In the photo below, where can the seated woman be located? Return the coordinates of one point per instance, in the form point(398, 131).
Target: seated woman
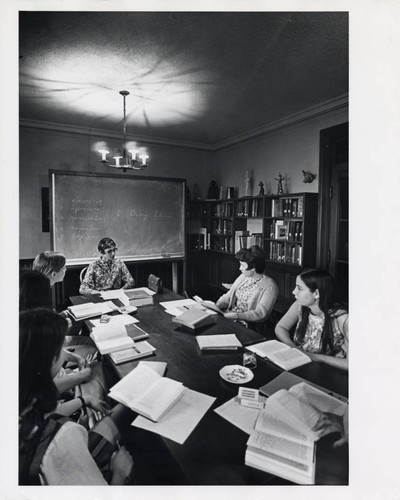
point(52, 265)
point(35, 291)
point(321, 324)
point(106, 273)
point(253, 295)
point(65, 457)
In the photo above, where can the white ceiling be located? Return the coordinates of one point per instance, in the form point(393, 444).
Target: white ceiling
point(199, 77)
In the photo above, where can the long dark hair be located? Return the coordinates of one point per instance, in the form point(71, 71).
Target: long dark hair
point(321, 280)
point(34, 291)
point(41, 337)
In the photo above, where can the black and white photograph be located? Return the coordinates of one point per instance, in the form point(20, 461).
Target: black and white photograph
point(199, 224)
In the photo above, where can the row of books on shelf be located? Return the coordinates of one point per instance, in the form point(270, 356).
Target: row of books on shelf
point(285, 252)
point(249, 208)
point(287, 207)
point(222, 210)
point(285, 230)
point(243, 239)
point(222, 226)
point(222, 243)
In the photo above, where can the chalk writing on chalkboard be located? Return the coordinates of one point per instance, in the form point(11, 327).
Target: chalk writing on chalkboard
point(144, 215)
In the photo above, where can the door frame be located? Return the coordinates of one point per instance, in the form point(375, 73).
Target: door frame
point(324, 186)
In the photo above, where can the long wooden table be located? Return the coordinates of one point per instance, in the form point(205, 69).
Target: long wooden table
point(214, 452)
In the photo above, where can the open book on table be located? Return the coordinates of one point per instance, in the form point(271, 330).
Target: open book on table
point(283, 439)
point(281, 354)
point(111, 337)
point(146, 392)
point(91, 309)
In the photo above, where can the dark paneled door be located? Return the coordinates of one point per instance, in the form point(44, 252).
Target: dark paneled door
point(333, 248)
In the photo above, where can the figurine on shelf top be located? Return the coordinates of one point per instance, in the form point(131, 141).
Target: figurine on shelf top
point(280, 178)
point(213, 191)
point(262, 192)
point(247, 180)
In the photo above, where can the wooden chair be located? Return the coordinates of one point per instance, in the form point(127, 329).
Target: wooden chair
point(82, 274)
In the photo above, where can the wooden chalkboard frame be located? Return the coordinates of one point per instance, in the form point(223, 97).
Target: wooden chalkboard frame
point(86, 260)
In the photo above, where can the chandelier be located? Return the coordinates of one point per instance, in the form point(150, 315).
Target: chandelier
point(128, 158)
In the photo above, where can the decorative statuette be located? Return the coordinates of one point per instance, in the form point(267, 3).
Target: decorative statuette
point(262, 192)
point(308, 176)
point(280, 178)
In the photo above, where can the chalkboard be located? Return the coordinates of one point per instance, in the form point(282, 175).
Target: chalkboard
point(145, 216)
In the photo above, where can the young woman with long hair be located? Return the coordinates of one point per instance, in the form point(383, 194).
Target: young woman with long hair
point(321, 322)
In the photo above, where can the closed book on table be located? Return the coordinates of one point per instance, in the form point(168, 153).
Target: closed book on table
point(227, 341)
point(137, 351)
point(194, 318)
point(139, 298)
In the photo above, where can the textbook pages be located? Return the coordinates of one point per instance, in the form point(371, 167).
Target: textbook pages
point(281, 354)
point(111, 337)
point(146, 392)
point(283, 440)
point(91, 309)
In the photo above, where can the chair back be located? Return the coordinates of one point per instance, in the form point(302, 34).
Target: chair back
point(82, 274)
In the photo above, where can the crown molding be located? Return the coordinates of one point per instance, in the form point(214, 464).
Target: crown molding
point(337, 104)
point(74, 129)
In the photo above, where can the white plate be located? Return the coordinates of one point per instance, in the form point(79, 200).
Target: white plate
point(236, 374)
point(127, 309)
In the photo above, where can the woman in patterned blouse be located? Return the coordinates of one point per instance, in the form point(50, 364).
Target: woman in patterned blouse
point(108, 272)
point(321, 324)
point(253, 295)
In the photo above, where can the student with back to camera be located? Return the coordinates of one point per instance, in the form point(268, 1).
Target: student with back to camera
point(35, 292)
point(321, 323)
point(253, 294)
point(108, 272)
point(64, 457)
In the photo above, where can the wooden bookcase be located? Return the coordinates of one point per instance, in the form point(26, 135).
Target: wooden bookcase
point(284, 226)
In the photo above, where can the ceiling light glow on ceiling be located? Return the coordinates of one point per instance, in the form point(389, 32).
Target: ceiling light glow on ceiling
point(127, 163)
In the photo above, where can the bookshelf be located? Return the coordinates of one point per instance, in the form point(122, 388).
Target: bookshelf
point(284, 226)
point(290, 229)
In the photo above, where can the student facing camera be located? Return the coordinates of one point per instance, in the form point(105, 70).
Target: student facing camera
point(108, 272)
point(321, 324)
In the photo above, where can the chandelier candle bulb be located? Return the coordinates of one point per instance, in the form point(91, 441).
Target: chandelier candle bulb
point(117, 158)
point(133, 152)
point(143, 158)
point(104, 154)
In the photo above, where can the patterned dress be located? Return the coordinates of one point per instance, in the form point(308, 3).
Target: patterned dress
point(312, 337)
point(106, 275)
point(244, 294)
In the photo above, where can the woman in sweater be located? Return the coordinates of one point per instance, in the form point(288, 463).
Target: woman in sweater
point(253, 295)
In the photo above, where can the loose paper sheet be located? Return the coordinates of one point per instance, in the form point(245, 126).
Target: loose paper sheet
point(181, 420)
point(241, 416)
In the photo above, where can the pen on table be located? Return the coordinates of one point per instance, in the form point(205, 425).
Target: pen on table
point(136, 349)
